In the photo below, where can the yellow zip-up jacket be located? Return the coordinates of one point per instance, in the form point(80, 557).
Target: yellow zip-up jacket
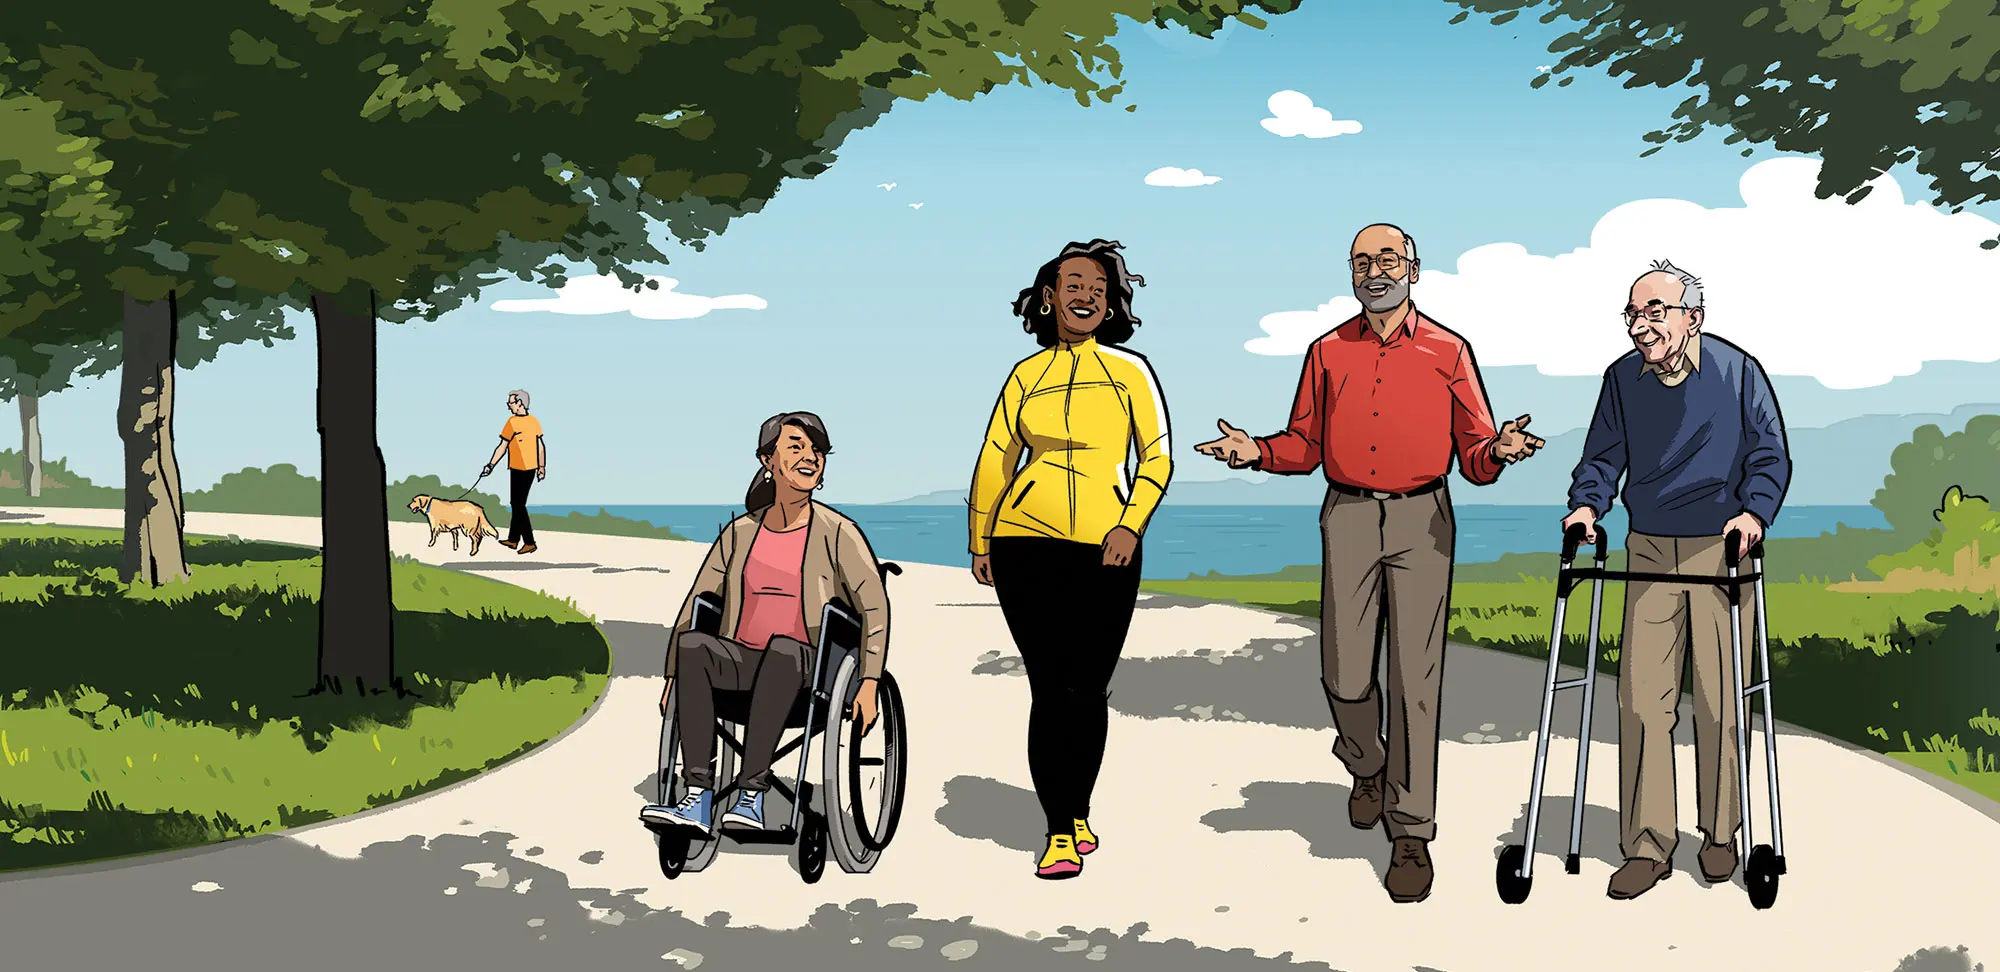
point(1078, 410)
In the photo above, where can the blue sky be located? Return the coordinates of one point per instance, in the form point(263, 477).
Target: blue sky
point(892, 322)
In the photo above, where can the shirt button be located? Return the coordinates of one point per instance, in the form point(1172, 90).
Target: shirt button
point(1378, 381)
point(1378, 414)
point(1371, 448)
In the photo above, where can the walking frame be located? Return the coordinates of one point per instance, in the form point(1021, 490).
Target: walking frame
point(1766, 863)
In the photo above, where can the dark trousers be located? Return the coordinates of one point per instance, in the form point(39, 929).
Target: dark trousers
point(519, 527)
point(1068, 614)
point(774, 677)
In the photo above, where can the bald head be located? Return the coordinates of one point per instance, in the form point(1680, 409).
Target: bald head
point(1384, 262)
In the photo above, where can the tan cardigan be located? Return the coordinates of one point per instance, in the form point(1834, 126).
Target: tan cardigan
point(838, 563)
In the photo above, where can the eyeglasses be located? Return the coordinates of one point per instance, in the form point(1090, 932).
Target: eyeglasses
point(1652, 312)
point(1388, 262)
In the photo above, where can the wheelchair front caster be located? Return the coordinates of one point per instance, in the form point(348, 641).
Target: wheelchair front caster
point(812, 846)
point(1507, 875)
point(673, 851)
point(1760, 873)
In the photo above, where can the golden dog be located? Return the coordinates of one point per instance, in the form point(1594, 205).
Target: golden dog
point(456, 517)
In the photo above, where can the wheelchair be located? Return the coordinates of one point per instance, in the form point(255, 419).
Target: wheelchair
point(861, 779)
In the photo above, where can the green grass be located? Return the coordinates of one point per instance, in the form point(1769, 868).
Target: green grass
point(141, 719)
point(1877, 670)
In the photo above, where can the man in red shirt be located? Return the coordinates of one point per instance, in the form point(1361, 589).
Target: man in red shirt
point(1385, 402)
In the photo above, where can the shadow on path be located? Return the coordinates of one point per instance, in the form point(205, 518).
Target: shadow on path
point(977, 808)
point(1314, 811)
point(471, 902)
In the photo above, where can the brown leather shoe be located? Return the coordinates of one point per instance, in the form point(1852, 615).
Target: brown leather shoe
point(1637, 877)
point(510, 544)
point(1364, 802)
point(1718, 861)
point(528, 548)
point(1409, 877)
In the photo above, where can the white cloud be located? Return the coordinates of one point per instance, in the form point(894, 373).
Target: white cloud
point(1852, 295)
point(1167, 175)
point(1292, 113)
point(602, 294)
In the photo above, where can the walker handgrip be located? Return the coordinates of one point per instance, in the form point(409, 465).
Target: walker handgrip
point(1573, 538)
point(1729, 554)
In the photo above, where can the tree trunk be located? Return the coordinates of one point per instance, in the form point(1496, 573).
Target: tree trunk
point(154, 518)
point(356, 611)
point(31, 442)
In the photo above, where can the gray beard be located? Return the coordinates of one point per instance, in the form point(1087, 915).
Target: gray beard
point(1399, 291)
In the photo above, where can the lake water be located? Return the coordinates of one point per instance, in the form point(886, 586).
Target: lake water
point(1185, 540)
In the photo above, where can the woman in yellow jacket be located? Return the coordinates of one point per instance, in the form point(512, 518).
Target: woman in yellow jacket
point(1058, 537)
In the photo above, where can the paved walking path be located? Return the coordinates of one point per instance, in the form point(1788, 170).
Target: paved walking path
point(1221, 808)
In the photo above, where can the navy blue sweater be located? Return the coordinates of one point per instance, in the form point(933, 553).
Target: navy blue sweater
point(1693, 455)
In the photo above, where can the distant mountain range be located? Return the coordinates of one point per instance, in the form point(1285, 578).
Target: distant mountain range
point(1839, 465)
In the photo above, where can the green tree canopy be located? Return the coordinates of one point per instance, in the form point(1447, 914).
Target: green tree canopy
point(1932, 463)
point(1863, 84)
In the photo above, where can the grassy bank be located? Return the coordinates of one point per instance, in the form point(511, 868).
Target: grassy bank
point(1905, 670)
point(282, 490)
point(143, 719)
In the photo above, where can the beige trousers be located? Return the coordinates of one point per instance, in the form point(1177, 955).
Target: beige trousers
point(1396, 551)
point(1664, 623)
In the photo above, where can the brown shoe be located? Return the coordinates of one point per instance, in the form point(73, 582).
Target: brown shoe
point(1718, 861)
point(1364, 802)
point(1637, 877)
point(528, 548)
point(510, 544)
point(1409, 877)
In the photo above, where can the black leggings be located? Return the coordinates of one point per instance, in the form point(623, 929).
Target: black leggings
point(1068, 614)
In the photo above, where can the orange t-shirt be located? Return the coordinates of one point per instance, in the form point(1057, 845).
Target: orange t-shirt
point(523, 435)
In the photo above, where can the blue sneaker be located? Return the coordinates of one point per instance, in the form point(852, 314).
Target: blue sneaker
point(696, 810)
point(748, 811)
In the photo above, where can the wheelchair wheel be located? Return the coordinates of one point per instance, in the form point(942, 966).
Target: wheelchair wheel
point(863, 776)
point(689, 852)
point(812, 846)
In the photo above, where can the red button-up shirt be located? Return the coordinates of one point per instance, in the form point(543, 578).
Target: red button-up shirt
point(1387, 414)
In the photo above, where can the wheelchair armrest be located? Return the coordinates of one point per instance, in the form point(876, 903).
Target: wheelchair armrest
point(708, 615)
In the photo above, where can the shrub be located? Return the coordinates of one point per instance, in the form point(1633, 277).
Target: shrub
point(1966, 524)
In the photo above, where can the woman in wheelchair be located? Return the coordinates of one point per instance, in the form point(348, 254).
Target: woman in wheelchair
point(774, 569)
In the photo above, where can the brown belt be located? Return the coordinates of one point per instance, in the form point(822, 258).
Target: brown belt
point(1376, 494)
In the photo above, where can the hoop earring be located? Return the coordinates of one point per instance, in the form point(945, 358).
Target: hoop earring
point(1046, 308)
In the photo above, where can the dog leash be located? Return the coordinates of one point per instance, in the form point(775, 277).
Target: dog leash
point(485, 471)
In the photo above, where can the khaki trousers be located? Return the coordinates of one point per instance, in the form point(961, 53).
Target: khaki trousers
point(1395, 552)
point(1664, 623)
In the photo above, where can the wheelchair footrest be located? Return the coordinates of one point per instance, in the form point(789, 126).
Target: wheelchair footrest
point(776, 835)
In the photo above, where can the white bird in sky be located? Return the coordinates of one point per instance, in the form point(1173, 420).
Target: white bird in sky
point(1544, 68)
point(916, 205)
point(885, 186)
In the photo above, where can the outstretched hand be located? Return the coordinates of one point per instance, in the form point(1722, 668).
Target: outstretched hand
point(1514, 443)
point(1235, 447)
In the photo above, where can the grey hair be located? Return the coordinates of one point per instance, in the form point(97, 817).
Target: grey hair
point(520, 394)
point(1690, 284)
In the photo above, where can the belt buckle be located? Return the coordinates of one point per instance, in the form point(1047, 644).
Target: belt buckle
point(1376, 494)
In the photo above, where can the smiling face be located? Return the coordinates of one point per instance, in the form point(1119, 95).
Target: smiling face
point(796, 463)
point(514, 405)
point(1661, 341)
point(1078, 297)
point(1383, 273)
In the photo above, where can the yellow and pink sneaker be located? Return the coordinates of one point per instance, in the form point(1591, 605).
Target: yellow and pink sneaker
point(1085, 840)
point(1061, 859)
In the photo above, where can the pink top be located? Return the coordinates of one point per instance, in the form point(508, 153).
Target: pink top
point(773, 588)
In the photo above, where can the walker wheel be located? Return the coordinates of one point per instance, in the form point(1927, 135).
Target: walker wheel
point(1507, 875)
point(1760, 873)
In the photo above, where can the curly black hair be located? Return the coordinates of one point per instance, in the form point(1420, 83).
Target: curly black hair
point(1118, 319)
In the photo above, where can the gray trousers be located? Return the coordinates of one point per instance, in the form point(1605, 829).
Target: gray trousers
point(774, 677)
point(1396, 552)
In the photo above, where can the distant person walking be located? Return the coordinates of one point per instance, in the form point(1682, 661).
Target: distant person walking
point(527, 461)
